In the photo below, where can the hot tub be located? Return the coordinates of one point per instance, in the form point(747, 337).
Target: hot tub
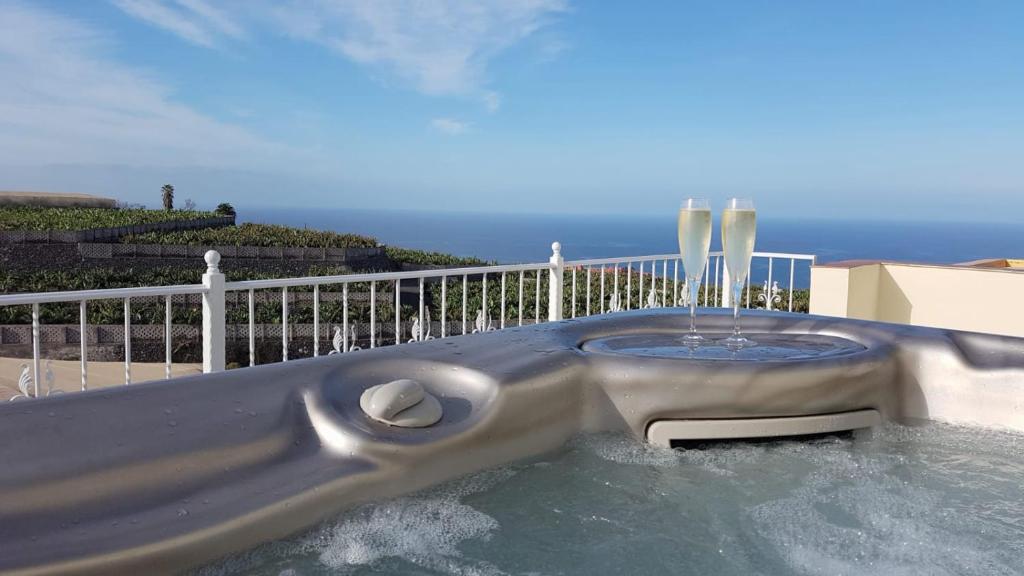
point(162, 477)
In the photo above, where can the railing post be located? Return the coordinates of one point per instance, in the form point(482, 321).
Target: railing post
point(555, 283)
point(213, 315)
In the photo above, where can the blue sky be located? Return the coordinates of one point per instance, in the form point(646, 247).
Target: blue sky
point(848, 109)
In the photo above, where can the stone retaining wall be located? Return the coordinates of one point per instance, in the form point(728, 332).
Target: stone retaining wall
point(292, 261)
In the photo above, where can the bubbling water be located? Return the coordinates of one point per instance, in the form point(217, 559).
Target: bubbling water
point(937, 499)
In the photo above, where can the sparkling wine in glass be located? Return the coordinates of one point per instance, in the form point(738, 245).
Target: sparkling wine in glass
point(739, 227)
point(694, 241)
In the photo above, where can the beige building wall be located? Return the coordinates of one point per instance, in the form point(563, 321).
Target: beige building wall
point(958, 297)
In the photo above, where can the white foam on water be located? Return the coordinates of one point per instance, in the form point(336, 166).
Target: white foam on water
point(623, 449)
point(902, 500)
point(425, 529)
point(722, 460)
point(876, 504)
point(857, 514)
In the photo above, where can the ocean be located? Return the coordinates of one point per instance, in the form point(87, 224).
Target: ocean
point(510, 238)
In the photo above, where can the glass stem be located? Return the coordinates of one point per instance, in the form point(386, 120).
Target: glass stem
point(694, 291)
point(737, 293)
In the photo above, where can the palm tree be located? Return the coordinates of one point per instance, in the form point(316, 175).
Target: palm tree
point(168, 196)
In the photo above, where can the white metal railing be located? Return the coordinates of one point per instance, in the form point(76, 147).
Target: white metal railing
point(83, 298)
point(713, 283)
point(422, 331)
point(617, 283)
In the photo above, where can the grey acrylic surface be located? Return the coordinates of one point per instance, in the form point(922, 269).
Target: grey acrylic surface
point(159, 477)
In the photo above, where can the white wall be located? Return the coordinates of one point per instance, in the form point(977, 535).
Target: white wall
point(962, 298)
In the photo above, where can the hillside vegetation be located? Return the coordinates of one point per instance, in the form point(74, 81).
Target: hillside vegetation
point(49, 218)
point(263, 235)
point(255, 235)
point(426, 258)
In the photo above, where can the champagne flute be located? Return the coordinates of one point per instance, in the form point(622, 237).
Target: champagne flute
point(739, 227)
point(694, 241)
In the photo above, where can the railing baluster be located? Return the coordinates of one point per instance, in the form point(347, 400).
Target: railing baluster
point(768, 293)
point(664, 283)
point(675, 282)
point(167, 337)
point(640, 288)
point(127, 341)
point(792, 264)
point(536, 301)
point(422, 317)
point(398, 312)
point(521, 286)
point(83, 339)
point(344, 318)
point(484, 306)
point(444, 305)
point(602, 288)
point(718, 262)
point(252, 327)
point(284, 324)
point(588, 289)
point(629, 285)
point(707, 280)
point(316, 319)
point(654, 279)
point(615, 288)
point(465, 299)
point(502, 299)
point(35, 347)
point(748, 289)
point(573, 291)
point(373, 314)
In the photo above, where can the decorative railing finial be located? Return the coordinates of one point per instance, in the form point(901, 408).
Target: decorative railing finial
point(482, 324)
point(615, 303)
point(27, 385)
point(338, 342)
point(652, 298)
point(212, 258)
point(24, 383)
point(556, 248)
point(420, 331)
point(684, 296)
point(352, 337)
point(770, 295)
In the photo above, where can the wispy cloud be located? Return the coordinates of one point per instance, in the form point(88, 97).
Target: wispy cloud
point(195, 21)
point(440, 48)
point(66, 101)
point(449, 126)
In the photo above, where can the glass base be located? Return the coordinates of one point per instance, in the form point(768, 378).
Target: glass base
point(693, 338)
point(737, 342)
